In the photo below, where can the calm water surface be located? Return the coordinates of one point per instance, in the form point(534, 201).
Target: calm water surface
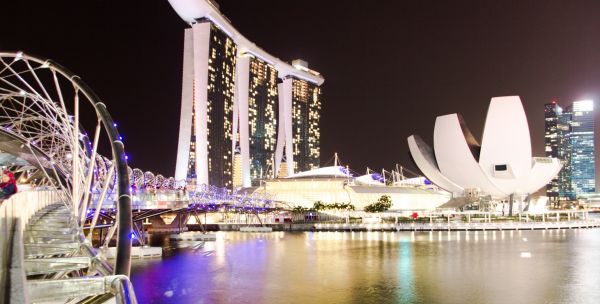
point(376, 267)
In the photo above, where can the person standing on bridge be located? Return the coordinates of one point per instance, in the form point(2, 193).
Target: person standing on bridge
point(8, 186)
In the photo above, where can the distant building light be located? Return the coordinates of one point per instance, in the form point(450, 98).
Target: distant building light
point(583, 105)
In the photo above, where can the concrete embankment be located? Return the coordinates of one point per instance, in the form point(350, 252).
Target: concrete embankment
point(236, 227)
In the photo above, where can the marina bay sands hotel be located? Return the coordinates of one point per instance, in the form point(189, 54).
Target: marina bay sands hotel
point(245, 114)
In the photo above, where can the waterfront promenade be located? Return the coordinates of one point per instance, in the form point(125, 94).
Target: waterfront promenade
point(392, 221)
point(460, 226)
point(414, 226)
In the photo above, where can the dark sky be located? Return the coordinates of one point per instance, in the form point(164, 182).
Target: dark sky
point(390, 67)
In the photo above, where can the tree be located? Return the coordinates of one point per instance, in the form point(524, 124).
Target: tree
point(347, 206)
point(319, 206)
point(384, 203)
point(299, 210)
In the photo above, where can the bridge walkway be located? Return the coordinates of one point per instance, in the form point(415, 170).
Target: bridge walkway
point(49, 260)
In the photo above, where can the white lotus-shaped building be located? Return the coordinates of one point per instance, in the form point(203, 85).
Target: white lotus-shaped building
point(502, 165)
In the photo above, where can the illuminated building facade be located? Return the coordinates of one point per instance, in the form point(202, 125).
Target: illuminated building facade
point(237, 101)
point(583, 173)
point(334, 185)
point(306, 104)
point(557, 145)
point(569, 136)
point(221, 69)
point(207, 105)
point(263, 107)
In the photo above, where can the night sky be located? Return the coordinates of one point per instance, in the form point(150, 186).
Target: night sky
point(389, 68)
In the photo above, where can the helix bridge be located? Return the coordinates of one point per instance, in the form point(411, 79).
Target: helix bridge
point(72, 182)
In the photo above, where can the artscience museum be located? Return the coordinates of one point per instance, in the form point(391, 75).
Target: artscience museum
point(500, 165)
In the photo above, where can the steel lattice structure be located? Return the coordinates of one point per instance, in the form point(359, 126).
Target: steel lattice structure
point(43, 109)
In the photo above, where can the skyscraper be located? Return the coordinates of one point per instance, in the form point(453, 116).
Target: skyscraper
point(306, 105)
point(569, 136)
point(237, 101)
point(263, 107)
point(552, 112)
point(557, 145)
point(207, 108)
point(583, 173)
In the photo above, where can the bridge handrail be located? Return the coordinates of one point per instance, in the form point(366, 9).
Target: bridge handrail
point(118, 285)
point(15, 213)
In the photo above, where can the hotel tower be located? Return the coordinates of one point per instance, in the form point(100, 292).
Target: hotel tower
point(245, 114)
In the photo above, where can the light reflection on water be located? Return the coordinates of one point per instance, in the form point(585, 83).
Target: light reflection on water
point(377, 267)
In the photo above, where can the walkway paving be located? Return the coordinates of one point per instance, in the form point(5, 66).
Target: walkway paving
point(60, 266)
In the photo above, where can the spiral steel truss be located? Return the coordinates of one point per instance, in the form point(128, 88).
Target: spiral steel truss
point(44, 112)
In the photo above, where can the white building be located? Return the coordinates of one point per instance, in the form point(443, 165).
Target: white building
point(501, 166)
point(335, 185)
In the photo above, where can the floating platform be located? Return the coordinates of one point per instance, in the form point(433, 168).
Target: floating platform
point(137, 252)
point(193, 236)
point(256, 229)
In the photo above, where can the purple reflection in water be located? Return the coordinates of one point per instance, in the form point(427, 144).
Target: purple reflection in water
point(377, 267)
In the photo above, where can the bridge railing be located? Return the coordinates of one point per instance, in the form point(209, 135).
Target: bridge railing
point(15, 213)
point(161, 199)
point(160, 195)
point(23, 205)
point(178, 199)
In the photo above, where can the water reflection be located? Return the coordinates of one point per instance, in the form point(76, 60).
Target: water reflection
point(376, 267)
point(406, 293)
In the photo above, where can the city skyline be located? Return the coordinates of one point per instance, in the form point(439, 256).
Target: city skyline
point(407, 72)
point(184, 151)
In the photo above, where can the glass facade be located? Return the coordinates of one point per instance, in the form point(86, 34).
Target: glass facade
point(583, 173)
point(565, 190)
point(552, 111)
point(306, 116)
point(569, 136)
point(557, 145)
point(263, 102)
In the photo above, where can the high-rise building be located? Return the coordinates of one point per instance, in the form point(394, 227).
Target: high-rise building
point(566, 191)
point(306, 111)
point(583, 172)
point(207, 109)
point(263, 108)
point(569, 136)
point(557, 145)
point(552, 112)
point(241, 107)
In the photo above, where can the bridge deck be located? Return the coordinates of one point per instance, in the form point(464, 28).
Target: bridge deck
point(48, 259)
